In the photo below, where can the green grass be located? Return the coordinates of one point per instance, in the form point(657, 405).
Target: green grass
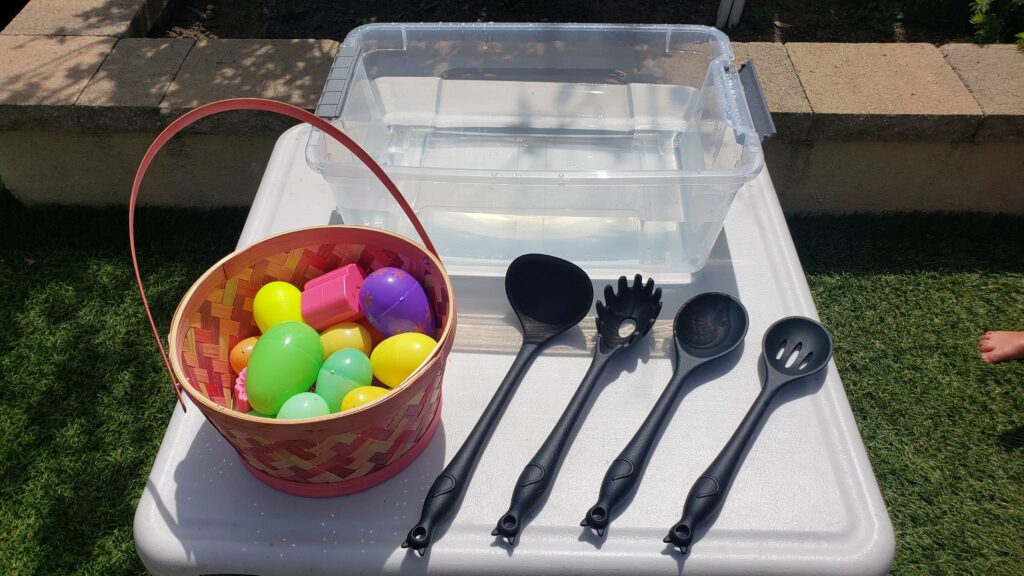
point(85, 397)
point(85, 401)
point(906, 298)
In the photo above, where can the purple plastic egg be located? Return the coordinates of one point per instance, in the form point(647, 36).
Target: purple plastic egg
point(395, 303)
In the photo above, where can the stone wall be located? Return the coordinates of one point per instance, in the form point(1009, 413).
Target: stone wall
point(862, 127)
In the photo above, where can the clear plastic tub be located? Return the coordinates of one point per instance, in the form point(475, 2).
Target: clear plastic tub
point(617, 147)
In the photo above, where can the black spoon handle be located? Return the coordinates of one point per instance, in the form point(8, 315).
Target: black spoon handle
point(447, 490)
point(708, 493)
point(627, 469)
point(537, 477)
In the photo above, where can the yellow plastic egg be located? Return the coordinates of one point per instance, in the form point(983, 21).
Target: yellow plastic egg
point(275, 303)
point(346, 335)
point(397, 357)
point(361, 395)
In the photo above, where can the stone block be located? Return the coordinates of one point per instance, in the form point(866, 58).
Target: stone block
point(994, 74)
point(883, 92)
point(43, 76)
point(292, 71)
point(82, 168)
point(125, 93)
point(77, 18)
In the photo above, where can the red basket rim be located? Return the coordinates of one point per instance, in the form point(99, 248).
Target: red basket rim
point(180, 324)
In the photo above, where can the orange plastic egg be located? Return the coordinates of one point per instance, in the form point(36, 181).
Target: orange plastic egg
point(240, 353)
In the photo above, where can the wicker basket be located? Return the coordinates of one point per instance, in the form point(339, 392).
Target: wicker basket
point(329, 455)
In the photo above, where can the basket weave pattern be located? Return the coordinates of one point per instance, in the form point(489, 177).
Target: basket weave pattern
point(345, 456)
point(344, 446)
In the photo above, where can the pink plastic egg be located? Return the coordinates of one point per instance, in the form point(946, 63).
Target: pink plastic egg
point(395, 303)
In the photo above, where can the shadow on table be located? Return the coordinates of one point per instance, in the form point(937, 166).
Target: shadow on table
point(488, 324)
point(793, 391)
point(706, 373)
point(628, 362)
point(245, 527)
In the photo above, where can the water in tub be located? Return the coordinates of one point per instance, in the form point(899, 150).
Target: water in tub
point(497, 166)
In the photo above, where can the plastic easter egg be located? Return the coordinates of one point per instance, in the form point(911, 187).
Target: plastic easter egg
point(346, 335)
point(303, 405)
point(375, 336)
point(342, 372)
point(241, 399)
point(239, 357)
point(394, 302)
point(362, 395)
point(397, 357)
point(284, 362)
point(259, 414)
point(275, 303)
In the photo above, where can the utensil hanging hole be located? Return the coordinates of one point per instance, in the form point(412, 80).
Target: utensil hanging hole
point(782, 350)
point(627, 327)
point(419, 533)
point(508, 522)
point(806, 360)
point(681, 531)
point(597, 513)
point(794, 354)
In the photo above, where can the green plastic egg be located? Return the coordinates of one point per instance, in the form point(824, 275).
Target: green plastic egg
point(303, 405)
point(341, 373)
point(284, 362)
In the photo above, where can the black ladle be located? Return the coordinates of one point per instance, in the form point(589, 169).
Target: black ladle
point(706, 327)
point(625, 317)
point(549, 296)
point(793, 348)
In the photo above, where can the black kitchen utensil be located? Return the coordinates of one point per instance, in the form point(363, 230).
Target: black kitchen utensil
point(793, 348)
point(549, 296)
point(625, 317)
point(706, 327)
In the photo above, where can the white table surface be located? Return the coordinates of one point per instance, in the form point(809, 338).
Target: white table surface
point(805, 501)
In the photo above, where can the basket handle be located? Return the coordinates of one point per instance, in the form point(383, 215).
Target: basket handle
point(248, 104)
